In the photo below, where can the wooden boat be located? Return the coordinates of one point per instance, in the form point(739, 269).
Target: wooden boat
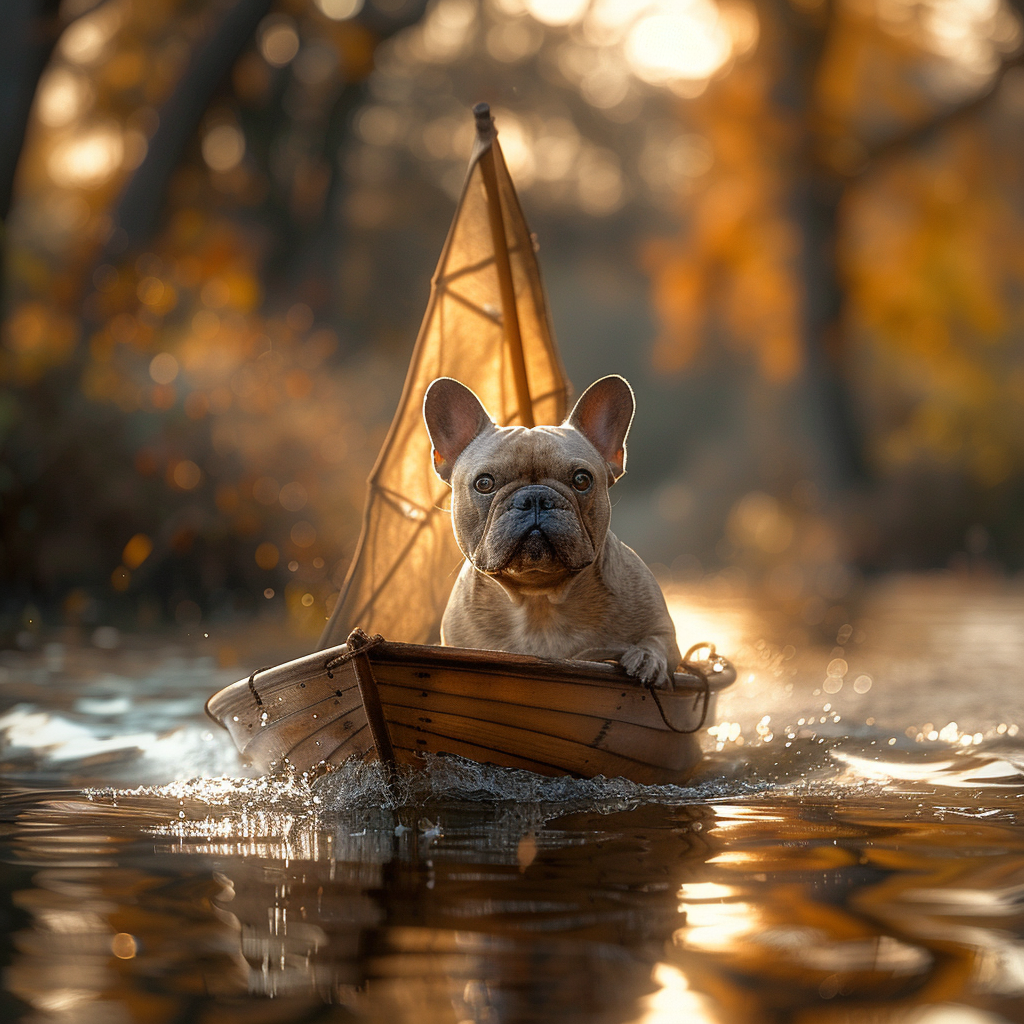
point(487, 324)
point(370, 699)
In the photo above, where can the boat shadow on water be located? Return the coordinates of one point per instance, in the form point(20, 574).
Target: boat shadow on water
point(517, 899)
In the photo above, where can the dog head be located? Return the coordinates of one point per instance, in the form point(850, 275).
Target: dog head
point(530, 506)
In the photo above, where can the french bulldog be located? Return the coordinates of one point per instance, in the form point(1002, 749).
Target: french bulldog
point(543, 574)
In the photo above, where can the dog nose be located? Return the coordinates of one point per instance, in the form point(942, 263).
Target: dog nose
point(535, 498)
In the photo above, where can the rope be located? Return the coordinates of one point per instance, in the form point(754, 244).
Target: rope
point(358, 642)
point(705, 692)
point(252, 685)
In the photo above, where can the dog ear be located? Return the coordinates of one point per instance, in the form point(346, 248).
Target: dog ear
point(454, 417)
point(603, 415)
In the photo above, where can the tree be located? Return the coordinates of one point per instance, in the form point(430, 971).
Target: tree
point(823, 244)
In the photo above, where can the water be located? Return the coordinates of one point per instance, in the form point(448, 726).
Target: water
point(851, 849)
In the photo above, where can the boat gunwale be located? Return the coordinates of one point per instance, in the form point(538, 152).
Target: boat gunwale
point(604, 674)
point(598, 673)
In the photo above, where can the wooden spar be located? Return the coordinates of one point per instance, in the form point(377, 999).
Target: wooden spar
point(509, 312)
point(358, 642)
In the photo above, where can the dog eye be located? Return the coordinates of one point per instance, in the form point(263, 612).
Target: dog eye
point(582, 480)
point(484, 483)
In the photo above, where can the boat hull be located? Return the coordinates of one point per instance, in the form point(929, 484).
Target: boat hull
point(401, 701)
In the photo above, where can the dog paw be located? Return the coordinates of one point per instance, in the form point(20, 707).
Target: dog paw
point(646, 665)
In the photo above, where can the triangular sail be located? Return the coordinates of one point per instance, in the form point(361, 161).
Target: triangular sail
point(407, 557)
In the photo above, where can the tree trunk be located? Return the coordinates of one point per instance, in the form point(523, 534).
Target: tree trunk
point(814, 206)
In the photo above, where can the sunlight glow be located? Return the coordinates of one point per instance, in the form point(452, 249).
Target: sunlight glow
point(971, 36)
point(61, 1000)
point(63, 96)
point(340, 10)
point(557, 12)
point(516, 147)
point(84, 40)
point(674, 1000)
point(87, 160)
point(696, 620)
point(610, 18)
point(718, 926)
point(702, 892)
point(688, 44)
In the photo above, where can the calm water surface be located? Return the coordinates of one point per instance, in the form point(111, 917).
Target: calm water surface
point(851, 850)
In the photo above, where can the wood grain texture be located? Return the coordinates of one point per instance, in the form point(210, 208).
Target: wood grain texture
point(554, 718)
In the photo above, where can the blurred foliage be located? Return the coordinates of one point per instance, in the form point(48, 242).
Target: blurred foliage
point(860, 234)
point(214, 267)
point(170, 434)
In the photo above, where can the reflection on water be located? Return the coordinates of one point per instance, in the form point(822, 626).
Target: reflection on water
point(824, 870)
point(503, 911)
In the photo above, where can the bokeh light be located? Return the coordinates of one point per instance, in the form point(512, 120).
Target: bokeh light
point(88, 159)
point(279, 40)
point(245, 327)
point(690, 45)
point(223, 147)
point(340, 10)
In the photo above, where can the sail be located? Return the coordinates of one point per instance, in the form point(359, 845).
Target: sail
point(487, 325)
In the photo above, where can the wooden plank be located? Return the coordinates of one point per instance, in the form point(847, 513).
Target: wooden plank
point(288, 690)
point(660, 747)
point(276, 740)
point(629, 703)
point(331, 744)
point(411, 742)
point(572, 756)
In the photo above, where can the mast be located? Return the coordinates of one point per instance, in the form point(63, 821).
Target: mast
point(487, 324)
point(509, 312)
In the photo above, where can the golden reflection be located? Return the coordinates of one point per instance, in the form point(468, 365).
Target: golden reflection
point(675, 1001)
point(702, 892)
point(163, 368)
point(939, 771)
point(646, 916)
point(717, 926)
point(730, 625)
